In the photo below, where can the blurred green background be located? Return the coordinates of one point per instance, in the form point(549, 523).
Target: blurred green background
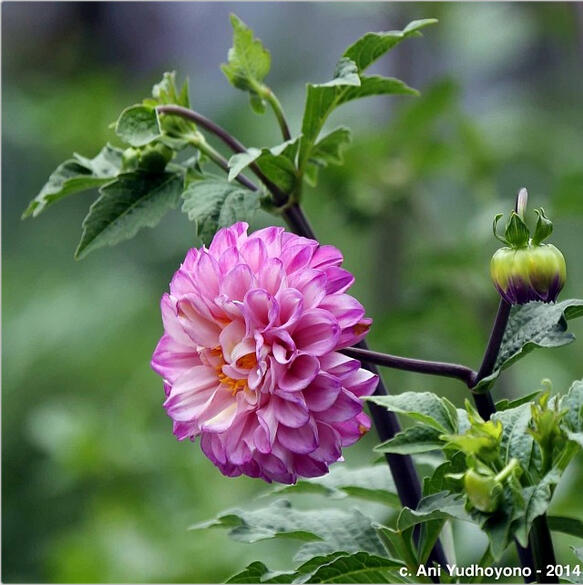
point(94, 486)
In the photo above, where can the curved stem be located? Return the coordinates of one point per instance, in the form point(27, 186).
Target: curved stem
point(279, 196)
point(447, 370)
point(222, 162)
point(278, 111)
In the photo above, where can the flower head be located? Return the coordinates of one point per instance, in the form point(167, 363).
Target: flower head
point(250, 359)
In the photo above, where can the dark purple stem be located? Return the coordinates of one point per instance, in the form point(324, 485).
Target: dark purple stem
point(447, 370)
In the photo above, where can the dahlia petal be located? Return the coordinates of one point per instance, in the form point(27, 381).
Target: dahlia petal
point(291, 305)
point(282, 346)
point(274, 469)
point(171, 323)
point(271, 237)
point(219, 414)
point(213, 448)
point(301, 440)
point(291, 414)
point(229, 259)
point(206, 275)
point(171, 358)
point(237, 282)
point(230, 337)
point(298, 374)
point(347, 310)
point(322, 392)
point(269, 424)
point(312, 285)
point(316, 332)
point(347, 406)
point(190, 260)
point(352, 430)
point(181, 283)
point(260, 310)
point(361, 382)
point(326, 256)
point(330, 444)
point(255, 253)
point(272, 276)
point(185, 430)
point(200, 329)
point(307, 466)
point(337, 280)
point(223, 240)
point(296, 257)
point(338, 364)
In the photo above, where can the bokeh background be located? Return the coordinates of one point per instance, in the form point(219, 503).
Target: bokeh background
point(94, 486)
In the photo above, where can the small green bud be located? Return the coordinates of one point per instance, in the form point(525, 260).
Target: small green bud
point(154, 158)
point(484, 491)
point(130, 159)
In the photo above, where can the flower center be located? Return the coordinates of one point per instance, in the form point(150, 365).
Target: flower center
point(243, 365)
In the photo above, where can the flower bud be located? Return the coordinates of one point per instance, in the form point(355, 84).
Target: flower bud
point(527, 269)
point(154, 158)
point(483, 491)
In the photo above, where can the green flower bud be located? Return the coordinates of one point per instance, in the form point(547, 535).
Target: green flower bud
point(154, 158)
point(526, 269)
point(130, 159)
point(483, 491)
point(532, 273)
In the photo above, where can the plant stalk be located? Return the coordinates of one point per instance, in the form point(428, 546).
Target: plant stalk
point(278, 111)
point(447, 370)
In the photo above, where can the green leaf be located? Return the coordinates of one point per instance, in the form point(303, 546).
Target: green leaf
point(572, 402)
point(516, 442)
point(373, 483)
point(536, 502)
point(166, 91)
point(322, 99)
point(443, 505)
point(328, 150)
point(214, 203)
point(425, 407)
point(572, 526)
point(248, 60)
point(506, 404)
point(533, 325)
point(257, 572)
point(75, 175)
point(131, 202)
point(138, 125)
point(414, 439)
point(276, 163)
point(371, 46)
point(323, 531)
point(359, 567)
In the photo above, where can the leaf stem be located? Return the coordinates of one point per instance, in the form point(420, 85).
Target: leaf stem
point(278, 111)
point(279, 196)
point(222, 162)
point(447, 370)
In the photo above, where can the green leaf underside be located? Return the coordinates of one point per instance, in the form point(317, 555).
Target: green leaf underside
point(424, 407)
point(506, 404)
point(572, 526)
point(516, 441)
point(75, 175)
point(248, 60)
point(322, 531)
point(415, 439)
point(573, 403)
point(373, 483)
point(338, 567)
point(214, 203)
point(533, 325)
point(138, 125)
point(131, 202)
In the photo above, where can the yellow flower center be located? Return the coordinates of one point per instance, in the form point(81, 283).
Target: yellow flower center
point(245, 362)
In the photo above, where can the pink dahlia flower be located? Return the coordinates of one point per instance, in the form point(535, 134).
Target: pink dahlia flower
point(249, 355)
